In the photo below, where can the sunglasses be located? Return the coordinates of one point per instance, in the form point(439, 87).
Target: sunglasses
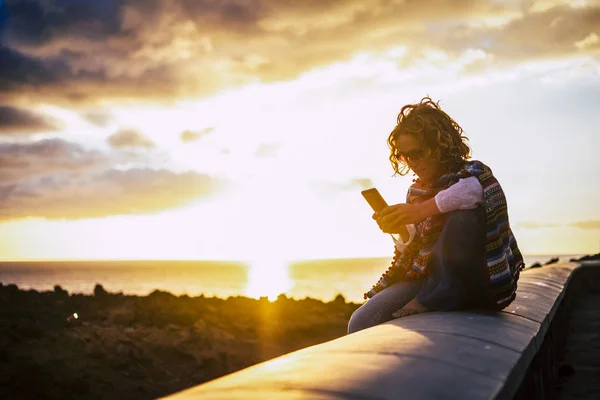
point(414, 155)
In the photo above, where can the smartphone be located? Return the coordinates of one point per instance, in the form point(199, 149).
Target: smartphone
point(377, 203)
point(374, 199)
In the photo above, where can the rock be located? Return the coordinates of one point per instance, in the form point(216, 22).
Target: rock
point(176, 342)
point(339, 299)
point(99, 291)
point(60, 291)
point(12, 288)
point(28, 329)
point(590, 257)
point(552, 261)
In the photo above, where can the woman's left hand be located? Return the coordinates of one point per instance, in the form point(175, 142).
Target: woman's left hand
point(391, 218)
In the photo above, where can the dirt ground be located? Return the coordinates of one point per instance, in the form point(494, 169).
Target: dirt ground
point(132, 347)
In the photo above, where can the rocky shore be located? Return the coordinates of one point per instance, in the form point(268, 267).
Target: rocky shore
point(56, 345)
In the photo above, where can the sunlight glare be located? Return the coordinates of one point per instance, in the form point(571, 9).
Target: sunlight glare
point(268, 277)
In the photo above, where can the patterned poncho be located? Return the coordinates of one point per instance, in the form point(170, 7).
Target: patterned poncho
point(503, 261)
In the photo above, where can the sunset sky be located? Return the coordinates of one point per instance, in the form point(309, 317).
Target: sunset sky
point(235, 129)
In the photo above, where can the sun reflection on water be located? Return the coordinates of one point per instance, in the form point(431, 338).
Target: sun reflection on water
point(268, 277)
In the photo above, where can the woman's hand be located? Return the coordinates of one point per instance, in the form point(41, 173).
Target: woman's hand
point(393, 219)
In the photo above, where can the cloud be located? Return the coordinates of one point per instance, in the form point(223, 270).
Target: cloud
point(129, 138)
point(592, 224)
point(99, 118)
point(363, 183)
point(332, 188)
point(189, 48)
point(19, 71)
point(267, 150)
point(15, 120)
point(554, 32)
point(39, 22)
point(192, 136)
point(57, 179)
point(535, 225)
point(111, 192)
point(586, 224)
point(20, 161)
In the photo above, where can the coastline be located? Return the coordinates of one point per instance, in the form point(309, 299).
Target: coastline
point(140, 347)
point(322, 279)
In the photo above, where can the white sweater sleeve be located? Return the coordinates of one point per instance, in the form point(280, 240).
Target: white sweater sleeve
point(465, 194)
point(400, 245)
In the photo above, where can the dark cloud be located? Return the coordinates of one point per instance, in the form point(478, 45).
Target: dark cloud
point(191, 136)
point(38, 22)
point(129, 138)
point(5, 191)
point(241, 14)
point(56, 179)
point(15, 120)
point(85, 51)
point(21, 161)
point(586, 224)
point(18, 71)
point(112, 192)
point(551, 33)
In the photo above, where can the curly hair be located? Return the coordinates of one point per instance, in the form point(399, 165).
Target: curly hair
point(441, 136)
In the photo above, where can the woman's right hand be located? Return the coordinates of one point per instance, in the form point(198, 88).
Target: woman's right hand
point(401, 229)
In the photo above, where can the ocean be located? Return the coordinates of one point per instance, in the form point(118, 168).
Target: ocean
point(319, 279)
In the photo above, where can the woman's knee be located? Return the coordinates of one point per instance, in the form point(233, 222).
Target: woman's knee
point(470, 219)
point(360, 319)
point(369, 314)
point(463, 235)
point(380, 307)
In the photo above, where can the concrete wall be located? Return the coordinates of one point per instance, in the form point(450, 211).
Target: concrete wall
point(437, 355)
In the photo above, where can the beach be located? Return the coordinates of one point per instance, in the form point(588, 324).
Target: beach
point(142, 347)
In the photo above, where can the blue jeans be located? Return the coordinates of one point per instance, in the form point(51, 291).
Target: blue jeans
point(456, 277)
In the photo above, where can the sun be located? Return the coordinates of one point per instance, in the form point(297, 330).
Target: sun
point(268, 277)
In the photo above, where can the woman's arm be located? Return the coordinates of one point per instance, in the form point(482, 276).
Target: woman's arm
point(465, 194)
point(392, 218)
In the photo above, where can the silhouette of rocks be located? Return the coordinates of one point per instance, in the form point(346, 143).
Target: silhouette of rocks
point(588, 258)
point(99, 291)
point(551, 261)
point(142, 347)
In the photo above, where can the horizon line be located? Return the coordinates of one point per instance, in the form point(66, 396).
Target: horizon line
point(239, 260)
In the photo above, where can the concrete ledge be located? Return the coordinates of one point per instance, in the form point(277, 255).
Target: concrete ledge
point(438, 355)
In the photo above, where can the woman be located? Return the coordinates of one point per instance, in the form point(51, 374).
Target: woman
point(461, 252)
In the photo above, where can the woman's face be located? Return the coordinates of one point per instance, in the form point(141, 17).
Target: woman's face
point(419, 158)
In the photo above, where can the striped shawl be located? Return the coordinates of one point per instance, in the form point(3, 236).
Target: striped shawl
point(503, 260)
